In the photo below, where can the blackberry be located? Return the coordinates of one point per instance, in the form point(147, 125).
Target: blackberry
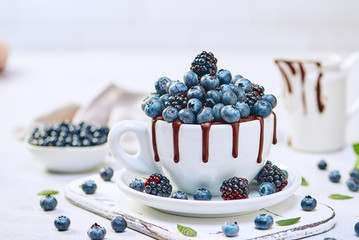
point(177, 101)
point(158, 185)
point(255, 95)
point(204, 63)
point(235, 188)
point(272, 173)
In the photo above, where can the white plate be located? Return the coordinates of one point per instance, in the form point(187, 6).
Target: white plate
point(217, 207)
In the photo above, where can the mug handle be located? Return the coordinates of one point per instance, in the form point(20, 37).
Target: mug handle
point(143, 161)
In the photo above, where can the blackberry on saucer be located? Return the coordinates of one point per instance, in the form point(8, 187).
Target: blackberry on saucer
point(158, 185)
point(204, 63)
point(235, 188)
point(272, 173)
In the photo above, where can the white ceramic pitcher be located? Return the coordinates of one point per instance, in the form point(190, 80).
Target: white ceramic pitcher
point(315, 100)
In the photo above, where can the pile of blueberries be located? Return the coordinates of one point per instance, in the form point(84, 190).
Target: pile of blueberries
point(207, 95)
point(63, 134)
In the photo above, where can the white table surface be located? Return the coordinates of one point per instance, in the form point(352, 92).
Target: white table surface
point(38, 82)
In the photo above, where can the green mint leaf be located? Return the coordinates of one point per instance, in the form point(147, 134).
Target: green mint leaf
point(187, 231)
point(339, 197)
point(304, 182)
point(356, 165)
point(287, 222)
point(48, 192)
point(356, 148)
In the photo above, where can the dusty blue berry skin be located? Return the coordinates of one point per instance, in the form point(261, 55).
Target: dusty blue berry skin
point(244, 84)
point(224, 76)
point(224, 88)
point(266, 188)
point(137, 184)
point(229, 98)
point(177, 88)
point(190, 79)
point(179, 195)
point(352, 184)
point(262, 108)
point(96, 232)
point(164, 98)
point(271, 99)
point(169, 84)
point(106, 174)
point(322, 165)
point(243, 109)
point(194, 105)
point(230, 229)
point(215, 95)
point(355, 174)
point(62, 223)
point(308, 203)
point(153, 108)
point(209, 82)
point(170, 114)
point(147, 99)
point(230, 114)
point(241, 95)
point(196, 92)
point(160, 85)
point(263, 221)
point(217, 112)
point(356, 228)
point(205, 115)
point(118, 224)
point(48, 203)
point(187, 116)
point(234, 88)
point(89, 187)
point(334, 176)
point(235, 78)
point(202, 194)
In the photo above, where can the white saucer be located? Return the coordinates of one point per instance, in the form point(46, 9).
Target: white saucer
point(216, 207)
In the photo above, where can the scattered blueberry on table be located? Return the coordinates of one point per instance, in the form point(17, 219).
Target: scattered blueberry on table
point(48, 202)
point(89, 187)
point(62, 223)
point(230, 228)
point(202, 194)
point(356, 228)
point(263, 221)
point(96, 232)
point(106, 173)
point(118, 224)
point(308, 203)
point(334, 176)
point(322, 165)
point(352, 184)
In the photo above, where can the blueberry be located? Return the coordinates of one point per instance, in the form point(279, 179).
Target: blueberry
point(170, 114)
point(234, 88)
point(89, 187)
point(241, 95)
point(356, 228)
point(322, 165)
point(230, 114)
point(187, 116)
point(285, 173)
point(266, 188)
point(230, 229)
point(106, 173)
point(195, 105)
point(48, 203)
point(137, 184)
point(224, 76)
point(352, 184)
point(62, 223)
point(355, 174)
point(169, 84)
point(153, 108)
point(243, 109)
point(96, 232)
point(149, 98)
point(164, 98)
point(196, 92)
point(229, 98)
point(202, 194)
point(209, 82)
point(217, 112)
point(262, 108)
point(334, 176)
point(308, 203)
point(190, 79)
point(177, 88)
point(160, 85)
point(206, 115)
point(118, 224)
point(235, 78)
point(209, 102)
point(263, 221)
point(179, 195)
point(214, 94)
point(271, 99)
point(244, 84)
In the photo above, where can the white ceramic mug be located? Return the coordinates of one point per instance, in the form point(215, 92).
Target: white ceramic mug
point(193, 156)
point(315, 101)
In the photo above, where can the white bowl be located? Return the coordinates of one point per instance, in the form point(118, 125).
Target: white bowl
point(68, 159)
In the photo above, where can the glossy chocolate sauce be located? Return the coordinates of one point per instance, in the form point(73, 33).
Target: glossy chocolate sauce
point(176, 125)
point(291, 64)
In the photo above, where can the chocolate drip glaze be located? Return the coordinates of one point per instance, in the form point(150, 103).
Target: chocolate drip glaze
point(205, 140)
point(175, 127)
point(318, 89)
point(154, 142)
point(285, 76)
point(235, 133)
point(275, 129)
point(302, 74)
